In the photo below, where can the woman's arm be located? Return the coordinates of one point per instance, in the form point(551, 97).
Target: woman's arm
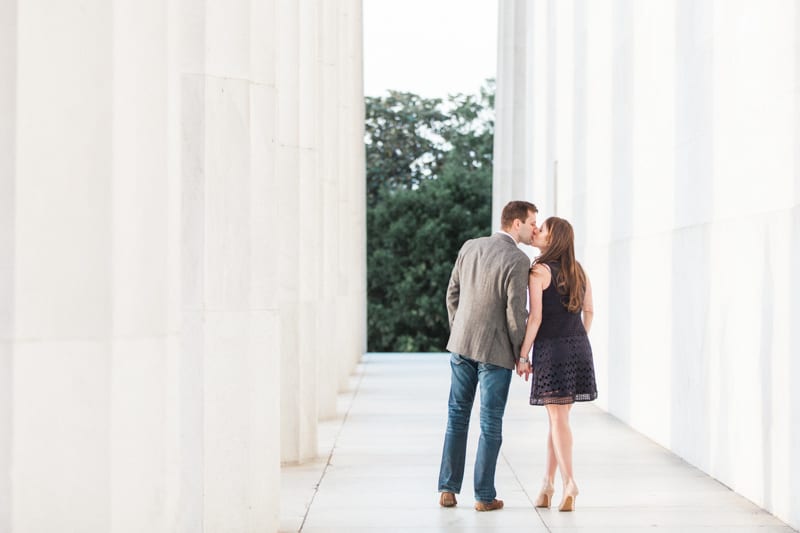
point(588, 306)
point(538, 281)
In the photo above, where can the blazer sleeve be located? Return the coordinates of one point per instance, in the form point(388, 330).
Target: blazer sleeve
point(454, 290)
point(517, 303)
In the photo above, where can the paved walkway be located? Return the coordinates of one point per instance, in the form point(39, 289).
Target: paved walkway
point(381, 461)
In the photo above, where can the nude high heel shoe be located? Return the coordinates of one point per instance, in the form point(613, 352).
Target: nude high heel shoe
point(570, 493)
point(545, 495)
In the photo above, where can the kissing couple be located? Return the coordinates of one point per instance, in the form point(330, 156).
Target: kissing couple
point(492, 334)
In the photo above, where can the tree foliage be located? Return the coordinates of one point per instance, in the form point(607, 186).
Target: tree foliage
point(429, 172)
point(402, 141)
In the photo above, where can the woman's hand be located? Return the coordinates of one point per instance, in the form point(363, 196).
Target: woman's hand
point(524, 368)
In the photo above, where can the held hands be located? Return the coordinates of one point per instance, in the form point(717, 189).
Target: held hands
point(524, 368)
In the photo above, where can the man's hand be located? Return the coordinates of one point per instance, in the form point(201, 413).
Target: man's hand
point(524, 369)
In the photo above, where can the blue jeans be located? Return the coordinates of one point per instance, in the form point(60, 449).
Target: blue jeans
point(465, 376)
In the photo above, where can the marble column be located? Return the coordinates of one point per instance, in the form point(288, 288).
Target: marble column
point(352, 226)
point(518, 171)
point(359, 190)
point(306, 222)
point(236, 336)
point(295, 415)
point(264, 233)
point(139, 271)
point(330, 175)
point(187, 91)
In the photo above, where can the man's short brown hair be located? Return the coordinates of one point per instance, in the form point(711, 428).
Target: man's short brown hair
point(516, 210)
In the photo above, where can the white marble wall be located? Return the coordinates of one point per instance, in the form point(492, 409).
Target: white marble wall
point(166, 174)
point(676, 132)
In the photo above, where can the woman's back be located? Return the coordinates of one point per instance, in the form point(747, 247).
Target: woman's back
point(557, 321)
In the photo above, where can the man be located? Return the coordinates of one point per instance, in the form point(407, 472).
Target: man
point(486, 304)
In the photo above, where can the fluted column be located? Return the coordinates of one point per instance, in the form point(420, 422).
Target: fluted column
point(518, 172)
point(353, 204)
point(298, 401)
point(359, 328)
point(503, 109)
point(308, 231)
point(330, 320)
point(236, 362)
point(264, 232)
point(187, 33)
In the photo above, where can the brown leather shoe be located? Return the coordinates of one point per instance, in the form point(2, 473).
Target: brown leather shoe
point(447, 499)
point(489, 506)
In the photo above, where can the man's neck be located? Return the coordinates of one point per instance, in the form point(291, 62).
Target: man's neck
point(510, 235)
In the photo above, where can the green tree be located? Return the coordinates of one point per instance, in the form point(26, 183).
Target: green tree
point(421, 215)
point(403, 143)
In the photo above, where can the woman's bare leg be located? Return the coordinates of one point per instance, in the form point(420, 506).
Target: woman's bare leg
point(546, 493)
point(552, 462)
point(561, 439)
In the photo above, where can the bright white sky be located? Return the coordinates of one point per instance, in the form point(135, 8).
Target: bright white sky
point(429, 47)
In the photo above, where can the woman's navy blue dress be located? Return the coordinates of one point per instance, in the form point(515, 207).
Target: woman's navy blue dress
point(563, 368)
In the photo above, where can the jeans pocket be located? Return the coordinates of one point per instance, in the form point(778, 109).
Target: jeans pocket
point(456, 359)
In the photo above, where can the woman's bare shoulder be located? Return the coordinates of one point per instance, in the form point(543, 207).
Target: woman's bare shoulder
point(540, 268)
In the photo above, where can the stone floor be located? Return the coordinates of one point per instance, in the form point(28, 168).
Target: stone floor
point(380, 461)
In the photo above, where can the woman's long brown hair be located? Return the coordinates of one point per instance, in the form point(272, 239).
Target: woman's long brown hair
point(571, 279)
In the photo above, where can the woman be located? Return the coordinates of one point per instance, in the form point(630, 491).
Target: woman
point(563, 370)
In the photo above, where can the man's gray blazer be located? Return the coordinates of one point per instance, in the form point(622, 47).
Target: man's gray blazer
point(486, 300)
